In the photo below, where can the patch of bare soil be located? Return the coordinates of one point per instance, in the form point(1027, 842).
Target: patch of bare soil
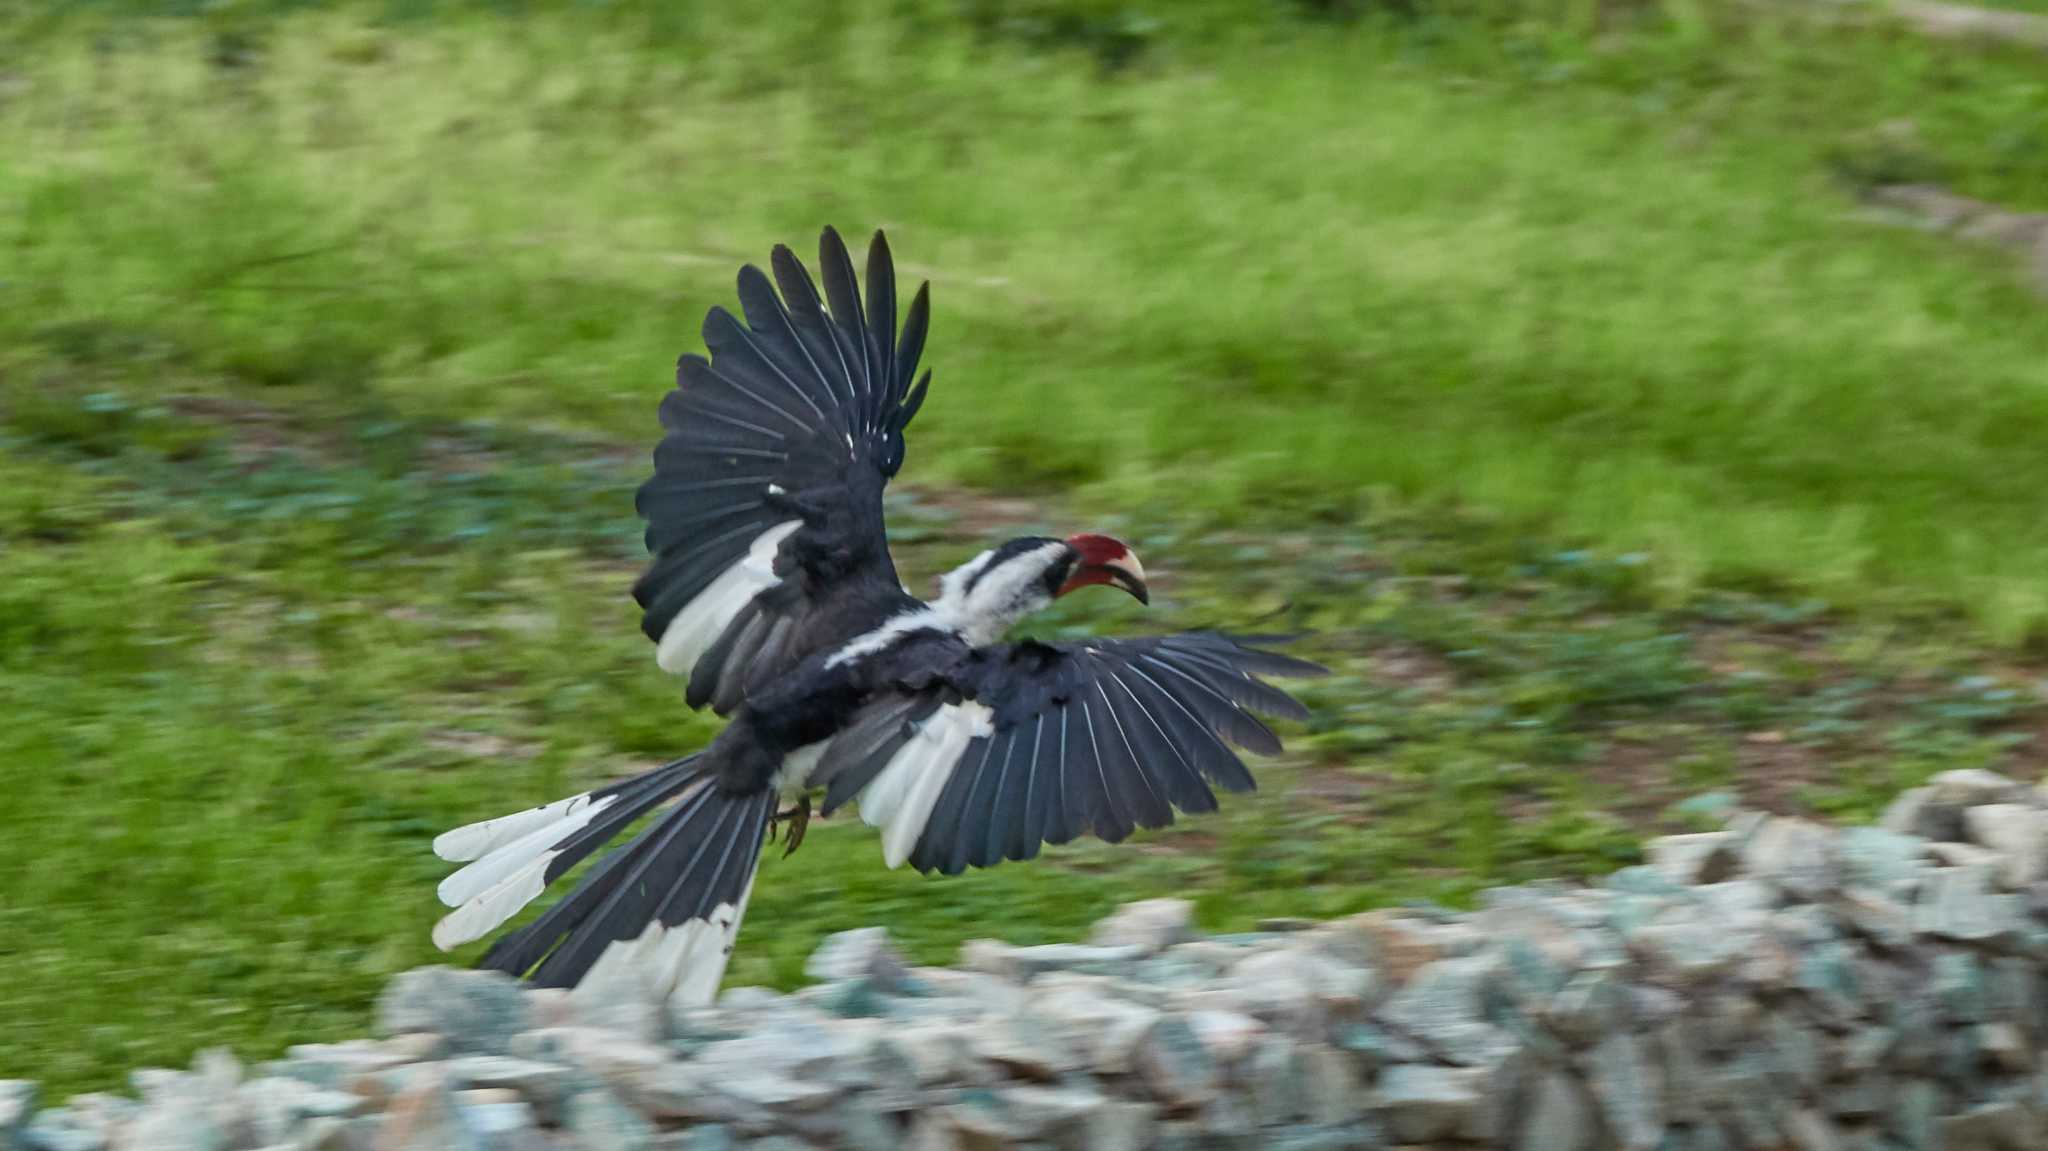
point(2024, 234)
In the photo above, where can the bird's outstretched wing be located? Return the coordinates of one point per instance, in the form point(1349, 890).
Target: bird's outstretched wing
point(1015, 745)
point(766, 500)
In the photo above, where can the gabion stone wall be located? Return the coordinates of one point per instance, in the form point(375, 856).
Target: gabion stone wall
point(1776, 984)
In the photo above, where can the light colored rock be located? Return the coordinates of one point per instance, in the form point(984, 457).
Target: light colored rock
point(1175, 1066)
point(1811, 1131)
point(598, 1121)
point(1960, 904)
point(1708, 857)
point(1148, 926)
point(1916, 812)
point(473, 1010)
point(1424, 1103)
point(1560, 1117)
point(424, 1118)
point(2018, 833)
point(1120, 1125)
point(1629, 1089)
point(1971, 786)
point(17, 1103)
point(864, 953)
point(1796, 855)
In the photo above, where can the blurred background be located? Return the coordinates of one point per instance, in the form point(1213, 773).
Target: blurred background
point(1641, 401)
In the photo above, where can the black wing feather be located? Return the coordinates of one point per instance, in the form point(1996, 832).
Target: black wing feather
point(1093, 738)
point(797, 415)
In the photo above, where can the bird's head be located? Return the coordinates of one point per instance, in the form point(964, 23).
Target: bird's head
point(987, 594)
point(1103, 560)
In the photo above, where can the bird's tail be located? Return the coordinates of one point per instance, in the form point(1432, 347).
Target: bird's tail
point(667, 905)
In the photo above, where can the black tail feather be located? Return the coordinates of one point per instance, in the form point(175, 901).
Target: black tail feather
point(699, 854)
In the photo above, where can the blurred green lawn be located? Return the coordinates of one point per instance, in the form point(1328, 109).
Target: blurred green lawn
point(1545, 365)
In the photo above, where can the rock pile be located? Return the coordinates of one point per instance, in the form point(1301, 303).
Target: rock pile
point(1775, 984)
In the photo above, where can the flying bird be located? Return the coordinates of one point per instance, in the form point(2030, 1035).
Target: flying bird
point(772, 592)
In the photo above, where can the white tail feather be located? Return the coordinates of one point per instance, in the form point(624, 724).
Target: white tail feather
point(482, 915)
point(701, 621)
point(485, 873)
point(476, 840)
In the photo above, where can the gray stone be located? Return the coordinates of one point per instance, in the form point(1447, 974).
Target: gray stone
point(1330, 1086)
point(863, 954)
point(1273, 1074)
point(1119, 1125)
point(17, 1103)
point(1444, 993)
point(1988, 1127)
point(500, 1122)
point(1686, 1093)
point(1959, 904)
point(2018, 833)
point(424, 1118)
point(1376, 1047)
point(1794, 854)
point(600, 1122)
point(716, 1137)
point(1022, 964)
point(1859, 1099)
point(545, 1085)
point(1560, 1117)
point(1958, 984)
point(1972, 786)
point(1709, 857)
point(1026, 1046)
point(1424, 1103)
point(1226, 1035)
point(474, 1010)
point(1148, 926)
point(1591, 1004)
point(1685, 953)
point(1881, 857)
point(1746, 1092)
point(1175, 1066)
point(1810, 1131)
point(61, 1129)
point(1629, 1090)
point(1917, 812)
point(1298, 987)
point(1915, 1116)
point(2004, 1046)
point(277, 1106)
point(1828, 975)
point(1797, 1048)
point(325, 1064)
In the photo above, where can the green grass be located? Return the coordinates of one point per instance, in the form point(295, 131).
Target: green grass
point(1546, 370)
point(257, 657)
point(1617, 288)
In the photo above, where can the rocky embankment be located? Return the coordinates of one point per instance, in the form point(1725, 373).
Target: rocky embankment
point(1777, 984)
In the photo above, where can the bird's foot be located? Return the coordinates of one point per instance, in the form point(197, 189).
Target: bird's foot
point(799, 820)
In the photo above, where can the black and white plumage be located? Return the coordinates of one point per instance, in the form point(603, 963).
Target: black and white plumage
point(772, 592)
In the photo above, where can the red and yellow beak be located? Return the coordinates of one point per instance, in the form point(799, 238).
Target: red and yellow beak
point(1105, 560)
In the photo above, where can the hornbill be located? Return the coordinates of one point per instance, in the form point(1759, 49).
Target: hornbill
point(771, 589)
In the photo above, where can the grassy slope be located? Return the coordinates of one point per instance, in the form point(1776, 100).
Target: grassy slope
point(263, 650)
point(1616, 290)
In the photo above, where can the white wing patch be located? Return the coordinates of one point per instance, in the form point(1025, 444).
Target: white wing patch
point(891, 630)
point(899, 800)
point(701, 621)
point(683, 964)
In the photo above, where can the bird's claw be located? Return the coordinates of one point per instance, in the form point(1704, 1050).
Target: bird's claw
point(799, 820)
